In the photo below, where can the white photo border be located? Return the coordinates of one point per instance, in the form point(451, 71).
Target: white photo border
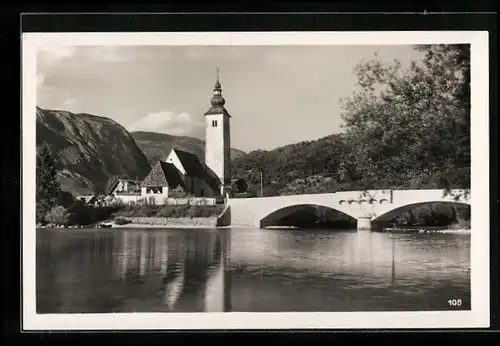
point(477, 317)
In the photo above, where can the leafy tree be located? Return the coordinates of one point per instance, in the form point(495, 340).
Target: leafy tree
point(58, 216)
point(80, 214)
point(240, 186)
point(411, 125)
point(66, 199)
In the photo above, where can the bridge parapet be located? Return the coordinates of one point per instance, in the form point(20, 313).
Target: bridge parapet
point(366, 205)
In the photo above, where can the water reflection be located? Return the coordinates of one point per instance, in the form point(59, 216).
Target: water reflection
point(97, 271)
point(248, 270)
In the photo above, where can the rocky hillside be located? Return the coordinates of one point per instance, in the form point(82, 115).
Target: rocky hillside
point(89, 149)
point(158, 145)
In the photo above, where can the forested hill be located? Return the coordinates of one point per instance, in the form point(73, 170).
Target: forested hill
point(304, 167)
point(157, 146)
point(404, 128)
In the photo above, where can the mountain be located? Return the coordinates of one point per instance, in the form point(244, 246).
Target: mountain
point(158, 145)
point(89, 149)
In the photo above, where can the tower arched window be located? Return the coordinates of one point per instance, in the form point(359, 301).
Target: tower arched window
point(214, 123)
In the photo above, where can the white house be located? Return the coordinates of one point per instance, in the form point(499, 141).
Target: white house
point(125, 190)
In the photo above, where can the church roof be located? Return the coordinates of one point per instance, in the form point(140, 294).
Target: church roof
point(217, 109)
point(191, 163)
point(195, 168)
point(163, 174)
point(211, 179)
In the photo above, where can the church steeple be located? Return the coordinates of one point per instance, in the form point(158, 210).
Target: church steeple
point(218, 139)
point(217, 100)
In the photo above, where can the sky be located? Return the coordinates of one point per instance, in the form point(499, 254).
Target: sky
point(276, 95)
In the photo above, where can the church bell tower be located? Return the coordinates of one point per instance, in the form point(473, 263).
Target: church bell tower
point(217, 138)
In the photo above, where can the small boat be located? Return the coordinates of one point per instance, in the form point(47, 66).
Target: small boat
point(104, 225)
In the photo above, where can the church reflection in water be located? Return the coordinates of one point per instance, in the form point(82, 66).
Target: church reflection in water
point(246, 270)
point(187, 269)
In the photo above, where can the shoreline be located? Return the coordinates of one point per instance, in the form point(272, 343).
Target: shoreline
point(214, 227)
point(169, 226)
point(425, 231)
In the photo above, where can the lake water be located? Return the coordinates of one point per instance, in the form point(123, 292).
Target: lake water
point(253, 270)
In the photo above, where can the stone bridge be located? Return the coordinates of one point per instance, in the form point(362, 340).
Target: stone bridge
point(364, 206)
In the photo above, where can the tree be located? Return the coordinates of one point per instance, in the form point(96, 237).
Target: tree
point(240, 186)
point(58, 216)
point(412, 125)
point(48, 189)
point(66, 199)
point(47, 185)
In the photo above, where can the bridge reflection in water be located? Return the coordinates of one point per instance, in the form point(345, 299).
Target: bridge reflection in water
point(247, 270)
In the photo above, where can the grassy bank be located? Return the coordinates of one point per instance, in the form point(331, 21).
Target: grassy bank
point(170, 211)
point(179, 216)
point(79, 215)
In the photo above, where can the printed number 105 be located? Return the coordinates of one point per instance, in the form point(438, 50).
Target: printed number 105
point(455, 302)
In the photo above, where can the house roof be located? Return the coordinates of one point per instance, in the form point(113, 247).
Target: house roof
point(112, 187)
point(163, 174)
point(86, 198)
point(132, 182)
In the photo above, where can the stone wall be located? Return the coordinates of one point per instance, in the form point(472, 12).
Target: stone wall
point(190, 201)
point(128, 198)
point(175, 221)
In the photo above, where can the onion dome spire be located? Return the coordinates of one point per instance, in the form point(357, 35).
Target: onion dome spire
point(217, 100)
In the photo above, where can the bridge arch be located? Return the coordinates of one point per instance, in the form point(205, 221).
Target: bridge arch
point(398, 210)
point(273, 217)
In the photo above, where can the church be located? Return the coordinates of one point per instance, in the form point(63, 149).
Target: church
point(181, 169)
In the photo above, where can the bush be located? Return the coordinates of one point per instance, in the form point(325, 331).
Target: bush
point(58, 216)
point(190, 210)
point(83, 215)
point(181, 211)
point(121, 221)
point(178, 192)
point(42, 208)
point(141, 210)
point(167, 211)
point(461, 224)
point(434, 214)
